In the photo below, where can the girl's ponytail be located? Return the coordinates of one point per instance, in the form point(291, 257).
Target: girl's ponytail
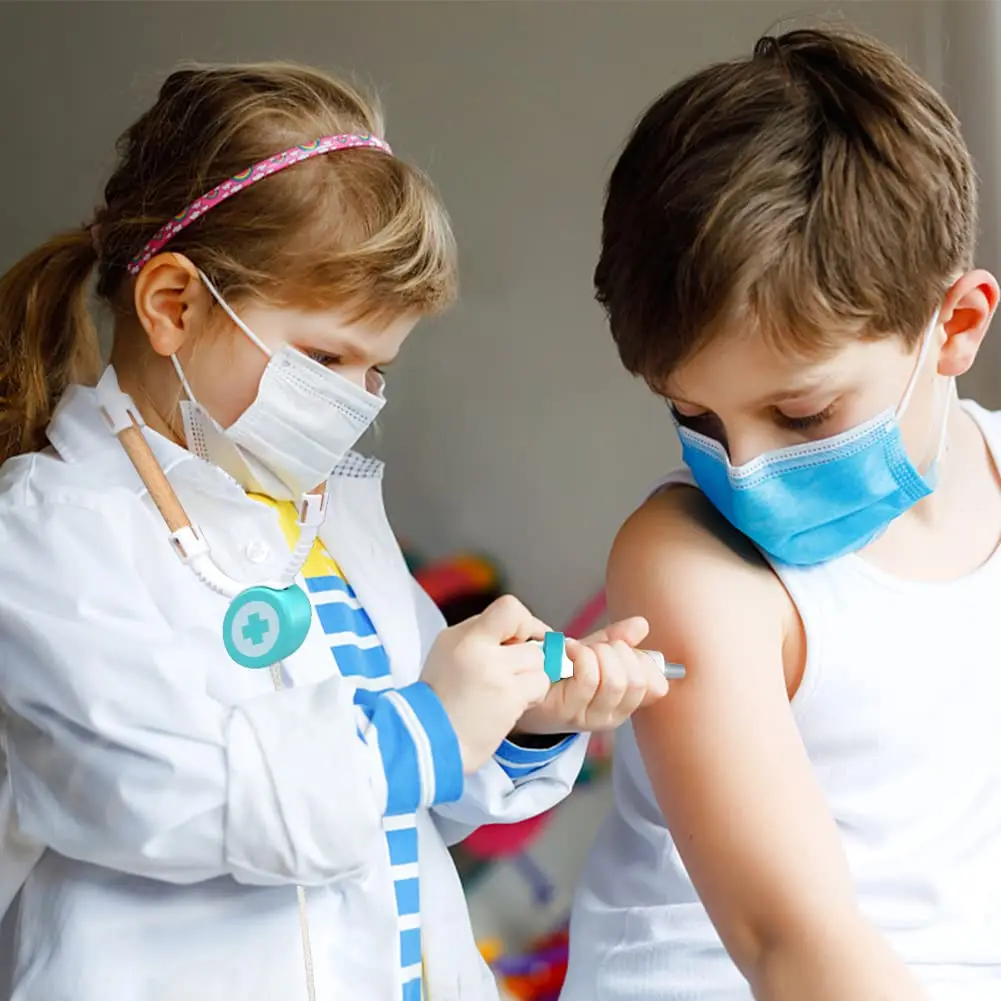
point(47, 337)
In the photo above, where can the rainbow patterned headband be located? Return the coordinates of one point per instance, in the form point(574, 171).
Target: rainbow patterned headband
point(198, 208)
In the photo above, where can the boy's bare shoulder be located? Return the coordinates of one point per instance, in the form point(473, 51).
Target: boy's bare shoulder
point(680, 522)
point(677, 561)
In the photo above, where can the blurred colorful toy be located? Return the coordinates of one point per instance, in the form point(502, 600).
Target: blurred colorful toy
point(539, 973)
point(461, 585)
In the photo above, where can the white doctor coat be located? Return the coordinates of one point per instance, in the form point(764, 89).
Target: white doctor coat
point(177, 797)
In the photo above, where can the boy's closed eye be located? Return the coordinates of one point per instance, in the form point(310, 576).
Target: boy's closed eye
point(803, 422)
point(707, 423)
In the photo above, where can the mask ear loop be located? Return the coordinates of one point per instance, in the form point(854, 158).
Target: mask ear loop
point(214, 292)
point(183, 378)
point(228, 310)
point(926, 340)
point(943, 433)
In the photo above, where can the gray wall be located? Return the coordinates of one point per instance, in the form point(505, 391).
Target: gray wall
point(510, 427)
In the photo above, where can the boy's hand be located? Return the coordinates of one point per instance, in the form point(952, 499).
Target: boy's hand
point(611, 681)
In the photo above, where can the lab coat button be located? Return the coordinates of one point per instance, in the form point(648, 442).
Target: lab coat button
point(257, 551)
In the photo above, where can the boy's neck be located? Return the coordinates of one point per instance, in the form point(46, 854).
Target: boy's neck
point(958, 526)
point(965, 458)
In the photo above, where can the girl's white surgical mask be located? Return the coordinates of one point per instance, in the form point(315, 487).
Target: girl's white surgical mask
point(303, 421)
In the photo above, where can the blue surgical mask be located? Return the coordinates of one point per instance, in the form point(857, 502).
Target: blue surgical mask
point(810, 503)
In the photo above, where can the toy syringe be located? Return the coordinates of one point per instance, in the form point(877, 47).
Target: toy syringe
point(559, 667)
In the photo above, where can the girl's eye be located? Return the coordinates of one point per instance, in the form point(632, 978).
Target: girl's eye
point(322, 358)
point(807, 422)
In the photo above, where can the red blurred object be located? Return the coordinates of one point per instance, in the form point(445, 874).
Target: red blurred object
point(504, 840)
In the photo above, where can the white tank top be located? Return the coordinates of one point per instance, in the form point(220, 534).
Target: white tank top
point(900, 713)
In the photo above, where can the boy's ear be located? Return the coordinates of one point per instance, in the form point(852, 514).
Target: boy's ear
point(171, 302)
point(966, 315)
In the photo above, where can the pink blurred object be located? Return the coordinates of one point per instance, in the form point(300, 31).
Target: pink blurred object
point(509, 843)
point(504, 840)
point(586, 619)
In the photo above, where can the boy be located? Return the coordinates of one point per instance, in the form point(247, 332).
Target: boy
point(787, 258)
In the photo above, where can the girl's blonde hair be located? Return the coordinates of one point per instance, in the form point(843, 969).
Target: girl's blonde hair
point(356, 229)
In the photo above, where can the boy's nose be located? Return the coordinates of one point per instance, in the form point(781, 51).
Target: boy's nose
point(748, 445)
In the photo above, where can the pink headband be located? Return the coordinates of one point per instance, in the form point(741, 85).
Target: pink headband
point(252, 175)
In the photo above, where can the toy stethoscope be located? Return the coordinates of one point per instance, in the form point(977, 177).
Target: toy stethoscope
point(265, 623)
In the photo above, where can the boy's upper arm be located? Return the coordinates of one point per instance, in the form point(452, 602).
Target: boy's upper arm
point(723, 751)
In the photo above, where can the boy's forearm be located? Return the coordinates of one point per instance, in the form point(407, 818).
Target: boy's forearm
point(843, 964)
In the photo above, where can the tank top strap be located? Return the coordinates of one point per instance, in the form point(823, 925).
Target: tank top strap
point(989, 422)
point(681, 476)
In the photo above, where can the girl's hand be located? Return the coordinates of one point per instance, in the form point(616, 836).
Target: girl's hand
point(611, 681)
point(486, 675)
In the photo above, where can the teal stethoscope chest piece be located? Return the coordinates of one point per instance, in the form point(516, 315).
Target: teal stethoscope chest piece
point(264, 625)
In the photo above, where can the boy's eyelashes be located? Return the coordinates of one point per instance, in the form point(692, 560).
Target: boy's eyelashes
point(807, 421)
point(707, 422)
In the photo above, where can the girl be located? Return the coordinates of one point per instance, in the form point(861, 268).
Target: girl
point(787, 259)
point(264, 254)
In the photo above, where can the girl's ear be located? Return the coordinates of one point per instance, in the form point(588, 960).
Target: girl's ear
point(171, 302)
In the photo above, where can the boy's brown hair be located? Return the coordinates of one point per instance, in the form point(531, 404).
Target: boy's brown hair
point(817, 190)
point(356, 229)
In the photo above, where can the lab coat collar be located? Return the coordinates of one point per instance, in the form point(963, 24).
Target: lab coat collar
point(79, 433)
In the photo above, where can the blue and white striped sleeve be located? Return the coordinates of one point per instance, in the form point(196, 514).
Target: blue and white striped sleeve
point(520, 762)
point(412, 734)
